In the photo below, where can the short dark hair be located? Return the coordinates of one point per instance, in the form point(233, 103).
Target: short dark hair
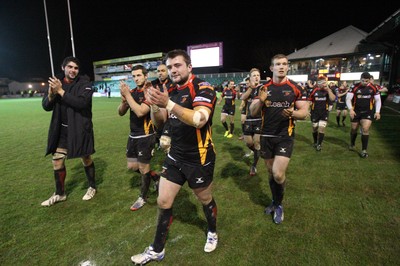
point(140, 67)
point(179, 52)
point(71, 59)
point(365, 75)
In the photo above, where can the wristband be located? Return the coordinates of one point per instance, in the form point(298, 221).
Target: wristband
point(170, 105)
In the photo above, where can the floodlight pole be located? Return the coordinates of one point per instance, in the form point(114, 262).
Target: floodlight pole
point(70, 27)
point(48, 39)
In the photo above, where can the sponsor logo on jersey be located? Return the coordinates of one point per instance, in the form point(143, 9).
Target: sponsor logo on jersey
point(284, 104)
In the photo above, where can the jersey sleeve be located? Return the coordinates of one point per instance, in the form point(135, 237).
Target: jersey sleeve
point(205, 96)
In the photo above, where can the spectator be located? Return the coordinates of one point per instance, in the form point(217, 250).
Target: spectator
point(69, 97)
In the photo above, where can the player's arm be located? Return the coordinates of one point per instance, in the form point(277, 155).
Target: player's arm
point(246, 95)
point(255, 106)
point(123, 106)
point(258, 102)
point(139, 109)
point(197, 117)
point(302, 110)
point(242, 104)
point(332, 96)
point(383, 89)
point(342, 94)
point(158, 115)
point(349, 97)
point(48, 100)
point(378, 105)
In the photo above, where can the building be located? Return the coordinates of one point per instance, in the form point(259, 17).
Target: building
point(345, 54)
point(341, 56)
point(388, 34)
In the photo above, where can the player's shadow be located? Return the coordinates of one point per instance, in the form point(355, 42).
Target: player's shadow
point(249, 184)
point(218, 129)
point(239, 170)
point(136, 182)
point(337, 141)
point(187, 212)
point(299, 137)
point(76, 174)
point(184, 209)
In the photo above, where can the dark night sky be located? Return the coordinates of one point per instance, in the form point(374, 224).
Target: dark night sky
point(252, 31)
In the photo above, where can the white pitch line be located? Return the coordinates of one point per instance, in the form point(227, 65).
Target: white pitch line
point(394, 110)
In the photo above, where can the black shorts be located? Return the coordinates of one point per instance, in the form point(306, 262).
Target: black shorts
point(317, 116)
point(63, 138)
point(196, 175)
point(228, 109)
point(166, 128)
point(341, 106)
point(252, 126)
point(362, 115)
point(141, 148)
point(276, 146)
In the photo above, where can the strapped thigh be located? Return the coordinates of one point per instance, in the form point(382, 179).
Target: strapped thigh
point(59, 156)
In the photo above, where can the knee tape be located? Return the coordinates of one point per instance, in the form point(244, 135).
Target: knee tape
point(322, 123)
point(59, 156)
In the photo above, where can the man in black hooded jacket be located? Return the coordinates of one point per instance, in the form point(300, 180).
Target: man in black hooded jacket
point(71, 129)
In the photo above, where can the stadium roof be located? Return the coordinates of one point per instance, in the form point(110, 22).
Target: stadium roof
point(388, 31)
point(344, 41)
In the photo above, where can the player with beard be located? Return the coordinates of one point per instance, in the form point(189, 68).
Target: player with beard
point(163, 82)
point(361, 100)
point(69, 97)
point(189, 109)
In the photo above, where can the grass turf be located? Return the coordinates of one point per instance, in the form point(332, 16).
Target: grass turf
point(340, 209)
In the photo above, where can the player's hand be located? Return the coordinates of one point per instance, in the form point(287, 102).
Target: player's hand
point(262, 94)
point(124, 89)
point(352, 114)
point(146, 86)
point(288, 112)
point(377, 116)
point(55, 85)
point(157, 97)
point(50, 91)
